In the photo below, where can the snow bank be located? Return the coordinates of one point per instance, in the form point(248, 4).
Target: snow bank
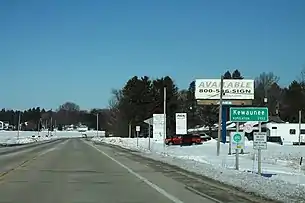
point(287, 185)
point(25, 137)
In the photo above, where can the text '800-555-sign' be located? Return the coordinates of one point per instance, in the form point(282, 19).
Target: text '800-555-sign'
point(209, 89)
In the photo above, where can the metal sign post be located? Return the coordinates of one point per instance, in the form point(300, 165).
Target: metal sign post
point(138, 131)
point(237, 150)
point(237, 142)
point(259, 154)
point(149, 136)
point(220, 116)
point(259, 143)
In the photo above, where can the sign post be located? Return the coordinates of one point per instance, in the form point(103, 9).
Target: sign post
point(260, 114)
point(138, 131)
point(149, 122)
point(236, 150)
point(219, 116)
point(259, 143)
point(237, 143)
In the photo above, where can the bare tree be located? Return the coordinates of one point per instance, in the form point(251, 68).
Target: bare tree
point(263, 84)
point(265, 80)
point(301, 78)
point(183, 101)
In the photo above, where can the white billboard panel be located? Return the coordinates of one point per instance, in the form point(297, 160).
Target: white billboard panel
point(181, 123)
point(207, 89)
point(158, 127)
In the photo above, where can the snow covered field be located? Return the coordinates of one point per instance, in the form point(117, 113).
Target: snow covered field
point(10, 137)
point(286, 184)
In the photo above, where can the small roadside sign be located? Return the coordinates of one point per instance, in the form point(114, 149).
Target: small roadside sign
point(138, 128)
point(248, 128)
point(259, 140)
point(149, 121)
point(237, 140)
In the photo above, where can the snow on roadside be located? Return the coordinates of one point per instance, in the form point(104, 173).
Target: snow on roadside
point(25, 137)
point(202, 159)
point(11, 137)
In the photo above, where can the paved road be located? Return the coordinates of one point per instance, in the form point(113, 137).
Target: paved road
point(73, 171)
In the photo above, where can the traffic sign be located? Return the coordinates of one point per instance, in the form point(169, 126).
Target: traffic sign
point(236, 137)
point(138, 128)
point(237, 140)
point(248, 128)
point(259, 140)
point(243, 114)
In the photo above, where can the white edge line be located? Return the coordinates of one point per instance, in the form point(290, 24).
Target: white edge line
point(152, 185)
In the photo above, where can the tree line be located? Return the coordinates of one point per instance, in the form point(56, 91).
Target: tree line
point(141, 97)
point(66, 114)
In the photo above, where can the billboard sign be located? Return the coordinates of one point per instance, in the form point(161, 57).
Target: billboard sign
point(158, 127)
point(181, 123)
point(234, 89)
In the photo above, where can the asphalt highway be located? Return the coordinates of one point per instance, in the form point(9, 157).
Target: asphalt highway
point(75, 171)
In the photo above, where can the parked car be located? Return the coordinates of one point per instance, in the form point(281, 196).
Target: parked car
point(204, 137)
point(190, 139)
point(173, 140)
point(187, 139)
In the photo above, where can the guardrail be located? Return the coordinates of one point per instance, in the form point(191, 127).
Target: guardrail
point(8, 150)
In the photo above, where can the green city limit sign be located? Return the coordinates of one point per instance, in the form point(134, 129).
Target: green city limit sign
point(243, 114)
point(237, 138)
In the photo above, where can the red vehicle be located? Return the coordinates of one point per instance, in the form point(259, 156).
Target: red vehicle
point(187, 139)
point(173, 140)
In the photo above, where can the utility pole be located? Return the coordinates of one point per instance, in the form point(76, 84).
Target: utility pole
point(164, 112)
point(220, 115)
point(55, 127)
point(19, 118)
point(38, 126)
point(300, 122)
point(129, 129)
point(97, 125)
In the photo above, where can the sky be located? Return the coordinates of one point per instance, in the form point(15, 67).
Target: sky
point(62, 50)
